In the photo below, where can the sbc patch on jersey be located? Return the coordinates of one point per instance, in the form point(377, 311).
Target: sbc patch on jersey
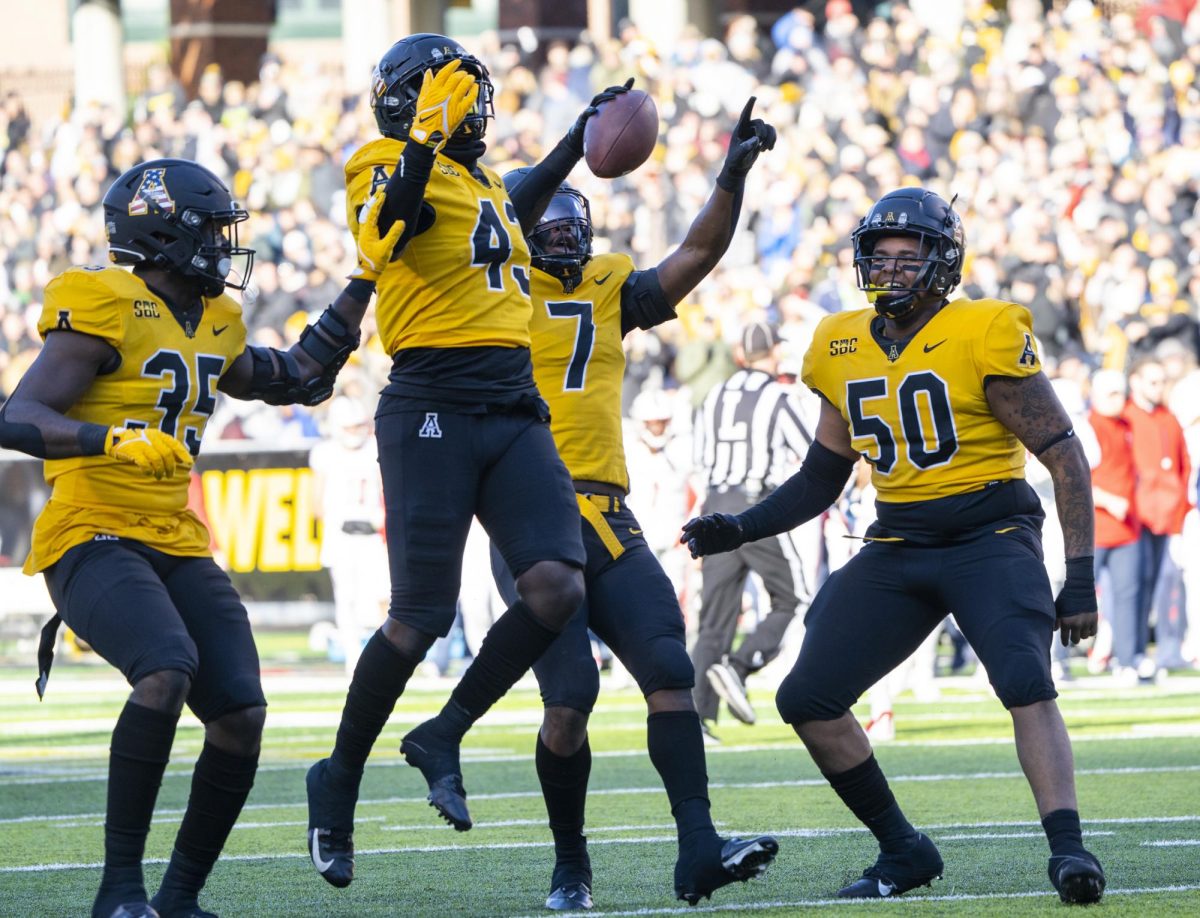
point(153, 189)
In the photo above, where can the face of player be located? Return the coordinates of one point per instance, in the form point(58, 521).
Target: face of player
point(896, 262)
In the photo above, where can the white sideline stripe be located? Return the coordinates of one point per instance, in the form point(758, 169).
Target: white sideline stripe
point(520, 823)
point(868, 903)
point(1171, 843)
point(617, 791)
point(502, 846)
point(64, 775)
point(973, 836)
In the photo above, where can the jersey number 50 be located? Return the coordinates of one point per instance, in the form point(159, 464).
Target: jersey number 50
point(926, 449)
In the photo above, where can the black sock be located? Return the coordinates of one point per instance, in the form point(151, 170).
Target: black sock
point(1064, 832)
point(220, 785)
point(380, 676)
point(676, 746)
point(141, 747)
point(865, 791)
point(564, 782)
point(512, 645)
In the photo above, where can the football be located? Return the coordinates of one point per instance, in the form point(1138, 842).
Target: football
point(621, 135)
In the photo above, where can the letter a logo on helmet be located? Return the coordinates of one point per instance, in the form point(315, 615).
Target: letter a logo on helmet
point(152, 190)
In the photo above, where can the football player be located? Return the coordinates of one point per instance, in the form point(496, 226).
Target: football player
point(462, 431)
point(116, 403)
point(583, 306)
point(942, 398)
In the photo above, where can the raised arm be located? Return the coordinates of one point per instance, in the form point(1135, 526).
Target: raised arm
point(710, 233)
point(305, 373)
point(446, 98)
point(1029, 408)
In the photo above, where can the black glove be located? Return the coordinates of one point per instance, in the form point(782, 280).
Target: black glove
point(1075, 605)
point(574, 136)
point(750, 137)
point(1078, 593)
point(712, 534)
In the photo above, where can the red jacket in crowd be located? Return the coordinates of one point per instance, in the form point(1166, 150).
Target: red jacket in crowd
point(1161, 461)
point(1116, 475)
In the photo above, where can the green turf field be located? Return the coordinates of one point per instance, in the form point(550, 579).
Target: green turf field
point(952, 767)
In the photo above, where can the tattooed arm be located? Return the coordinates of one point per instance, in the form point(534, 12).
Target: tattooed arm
point(1030, 409)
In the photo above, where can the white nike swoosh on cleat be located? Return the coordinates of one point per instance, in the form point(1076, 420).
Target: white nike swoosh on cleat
point(885, 889)
point(321, 865)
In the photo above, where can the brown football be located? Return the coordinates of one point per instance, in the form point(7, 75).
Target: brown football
point(621, 135)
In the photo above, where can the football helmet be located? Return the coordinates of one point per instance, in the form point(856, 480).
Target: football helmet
point(396, 84)
point(561, 243)
point(890, 283)
point(176, 215)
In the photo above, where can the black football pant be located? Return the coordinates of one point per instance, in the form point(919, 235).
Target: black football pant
point(777, 562)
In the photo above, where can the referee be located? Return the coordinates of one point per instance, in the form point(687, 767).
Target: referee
point(749, 439)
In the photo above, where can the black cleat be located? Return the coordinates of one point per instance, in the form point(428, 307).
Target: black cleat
point(570, 897)
point(1079, 878)
point(706, 866)
point(436, 754)
point(729, 688)
point(896, 874)
point(330, 827)
point(194, 911)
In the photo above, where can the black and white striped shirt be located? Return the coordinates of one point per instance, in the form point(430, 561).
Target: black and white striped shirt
point(750, 434)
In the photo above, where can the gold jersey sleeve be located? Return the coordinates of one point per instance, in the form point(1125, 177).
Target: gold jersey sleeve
point(464, 282)
point(167, 379)
point(920, 415)
point(579, 363)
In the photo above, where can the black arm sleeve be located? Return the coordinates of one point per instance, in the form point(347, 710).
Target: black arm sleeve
point(811, 491)
point(405, 192)
point(643, 303)
point(533, 193)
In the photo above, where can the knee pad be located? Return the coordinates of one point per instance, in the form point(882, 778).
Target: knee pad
point(800, 700)
point(1022, 679)
point(661, 664)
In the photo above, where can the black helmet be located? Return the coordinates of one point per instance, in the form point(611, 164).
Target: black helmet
point(568, 210)
point(176, 215)
point(396, 84)
point(926, 217)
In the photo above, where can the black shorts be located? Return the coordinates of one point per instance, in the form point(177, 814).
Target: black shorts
point(630, 605)
point(439, 470)
point(144, 612)
point(870, 615)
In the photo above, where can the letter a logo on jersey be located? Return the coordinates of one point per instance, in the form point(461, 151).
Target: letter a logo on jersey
point(430, 429)
point(153, 189)
point(1028, 354)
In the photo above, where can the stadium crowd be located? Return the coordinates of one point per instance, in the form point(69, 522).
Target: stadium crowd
point(1069, 139)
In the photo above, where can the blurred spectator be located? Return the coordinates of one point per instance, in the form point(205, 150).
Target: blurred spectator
point(1117, 527)
point(1161, 498)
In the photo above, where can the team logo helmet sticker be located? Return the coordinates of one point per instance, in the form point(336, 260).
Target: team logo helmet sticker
point(152, 189)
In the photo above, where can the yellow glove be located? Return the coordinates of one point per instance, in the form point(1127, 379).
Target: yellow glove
point(375, 253)
point(446, 98)
point(151, 450)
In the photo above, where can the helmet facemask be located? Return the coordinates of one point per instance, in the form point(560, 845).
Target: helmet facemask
point(561, 243)
point(894, 283)
point(929, 268)
point(205, 248)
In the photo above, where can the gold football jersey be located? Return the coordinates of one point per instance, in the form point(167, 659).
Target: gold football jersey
point(167, 379)
point(920, 415)
point(578, 364)
point(465, 281)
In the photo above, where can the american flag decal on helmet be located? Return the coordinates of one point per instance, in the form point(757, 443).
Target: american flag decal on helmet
point(153, 188)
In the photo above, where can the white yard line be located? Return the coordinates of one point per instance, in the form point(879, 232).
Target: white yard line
point(637, 840)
